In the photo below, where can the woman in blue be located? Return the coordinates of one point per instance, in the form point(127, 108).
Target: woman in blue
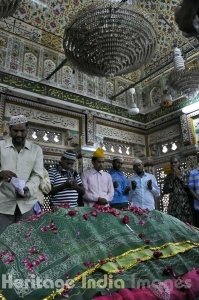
point(120, 183)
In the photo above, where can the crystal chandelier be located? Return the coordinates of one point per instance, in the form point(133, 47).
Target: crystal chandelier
point(110, 39)
point(8, 7)
point(183, 80)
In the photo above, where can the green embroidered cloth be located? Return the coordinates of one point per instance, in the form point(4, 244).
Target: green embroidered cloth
point(37, 256)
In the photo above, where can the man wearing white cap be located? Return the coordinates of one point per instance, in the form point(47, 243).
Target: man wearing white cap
point(120, 183)
point(66, 182)
point(144, 187)
point(21, 165)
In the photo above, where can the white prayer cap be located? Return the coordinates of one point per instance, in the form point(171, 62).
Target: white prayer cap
point(20, 119)
point(118, 158)
point(70, 155)
point(137, 161)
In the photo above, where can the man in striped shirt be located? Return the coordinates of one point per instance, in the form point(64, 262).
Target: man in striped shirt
point(193, 184)
point(66, 182)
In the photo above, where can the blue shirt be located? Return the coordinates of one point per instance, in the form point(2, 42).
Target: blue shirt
point(193, 184)
point(142, 196)
point(119, 196)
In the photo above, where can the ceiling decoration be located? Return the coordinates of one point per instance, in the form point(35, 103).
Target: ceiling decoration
point(110, 39)
point(184, 80)
point(8, 7)
point(53, 16)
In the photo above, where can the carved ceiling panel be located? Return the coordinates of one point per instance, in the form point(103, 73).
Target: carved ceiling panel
point(50, 17)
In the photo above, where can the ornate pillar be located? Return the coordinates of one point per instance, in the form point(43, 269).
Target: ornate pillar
point(185, 130)
point(90, 128)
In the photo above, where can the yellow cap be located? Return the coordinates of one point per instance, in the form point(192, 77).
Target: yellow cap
point(99, 152)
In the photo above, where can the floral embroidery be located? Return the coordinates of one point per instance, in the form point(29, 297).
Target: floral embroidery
point(51, 227)
point(7, 257)
point(31, 264)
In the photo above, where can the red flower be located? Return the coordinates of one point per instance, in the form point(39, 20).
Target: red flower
point(94, 213)
point(102, 261)
point(125, 220)
point(72, 213)
point(139, 211)
point(157, 253)
point(44, 228)
point(85, 216)
point(89, 264)
point(114, 212)
point(141, 222)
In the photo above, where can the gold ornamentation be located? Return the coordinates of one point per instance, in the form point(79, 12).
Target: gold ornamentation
point(185, 246)
point(1, 296)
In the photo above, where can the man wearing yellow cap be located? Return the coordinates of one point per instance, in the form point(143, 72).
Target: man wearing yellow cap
point(21, 165)
point(97, 183)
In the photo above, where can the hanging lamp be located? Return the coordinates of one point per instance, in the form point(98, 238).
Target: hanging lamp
point(8, 7)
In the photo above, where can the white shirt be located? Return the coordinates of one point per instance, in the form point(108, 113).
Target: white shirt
point(142, 196)
point(27, 165)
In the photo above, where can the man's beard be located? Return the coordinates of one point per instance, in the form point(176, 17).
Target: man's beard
point(18, 141)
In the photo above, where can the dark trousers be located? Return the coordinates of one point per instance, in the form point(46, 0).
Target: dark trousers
point(6, 220)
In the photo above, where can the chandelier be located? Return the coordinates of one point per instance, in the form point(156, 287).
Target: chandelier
point(110, 39)
point(183, 80)
point(8, 7)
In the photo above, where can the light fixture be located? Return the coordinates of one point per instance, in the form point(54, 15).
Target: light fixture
point(133, 109)
point(167, 100)
point(104, 148)
point(164, 149)
point(112, 149)
point(110, 39)
point(45, 137)
point(127, 151)
point(56, 139)
point(120, 149)
point(183, 80)
point(8, 7)
point(34, 135)
point(174, 146)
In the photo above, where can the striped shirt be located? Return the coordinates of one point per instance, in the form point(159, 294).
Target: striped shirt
point(59, 176)
point(193, 184)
